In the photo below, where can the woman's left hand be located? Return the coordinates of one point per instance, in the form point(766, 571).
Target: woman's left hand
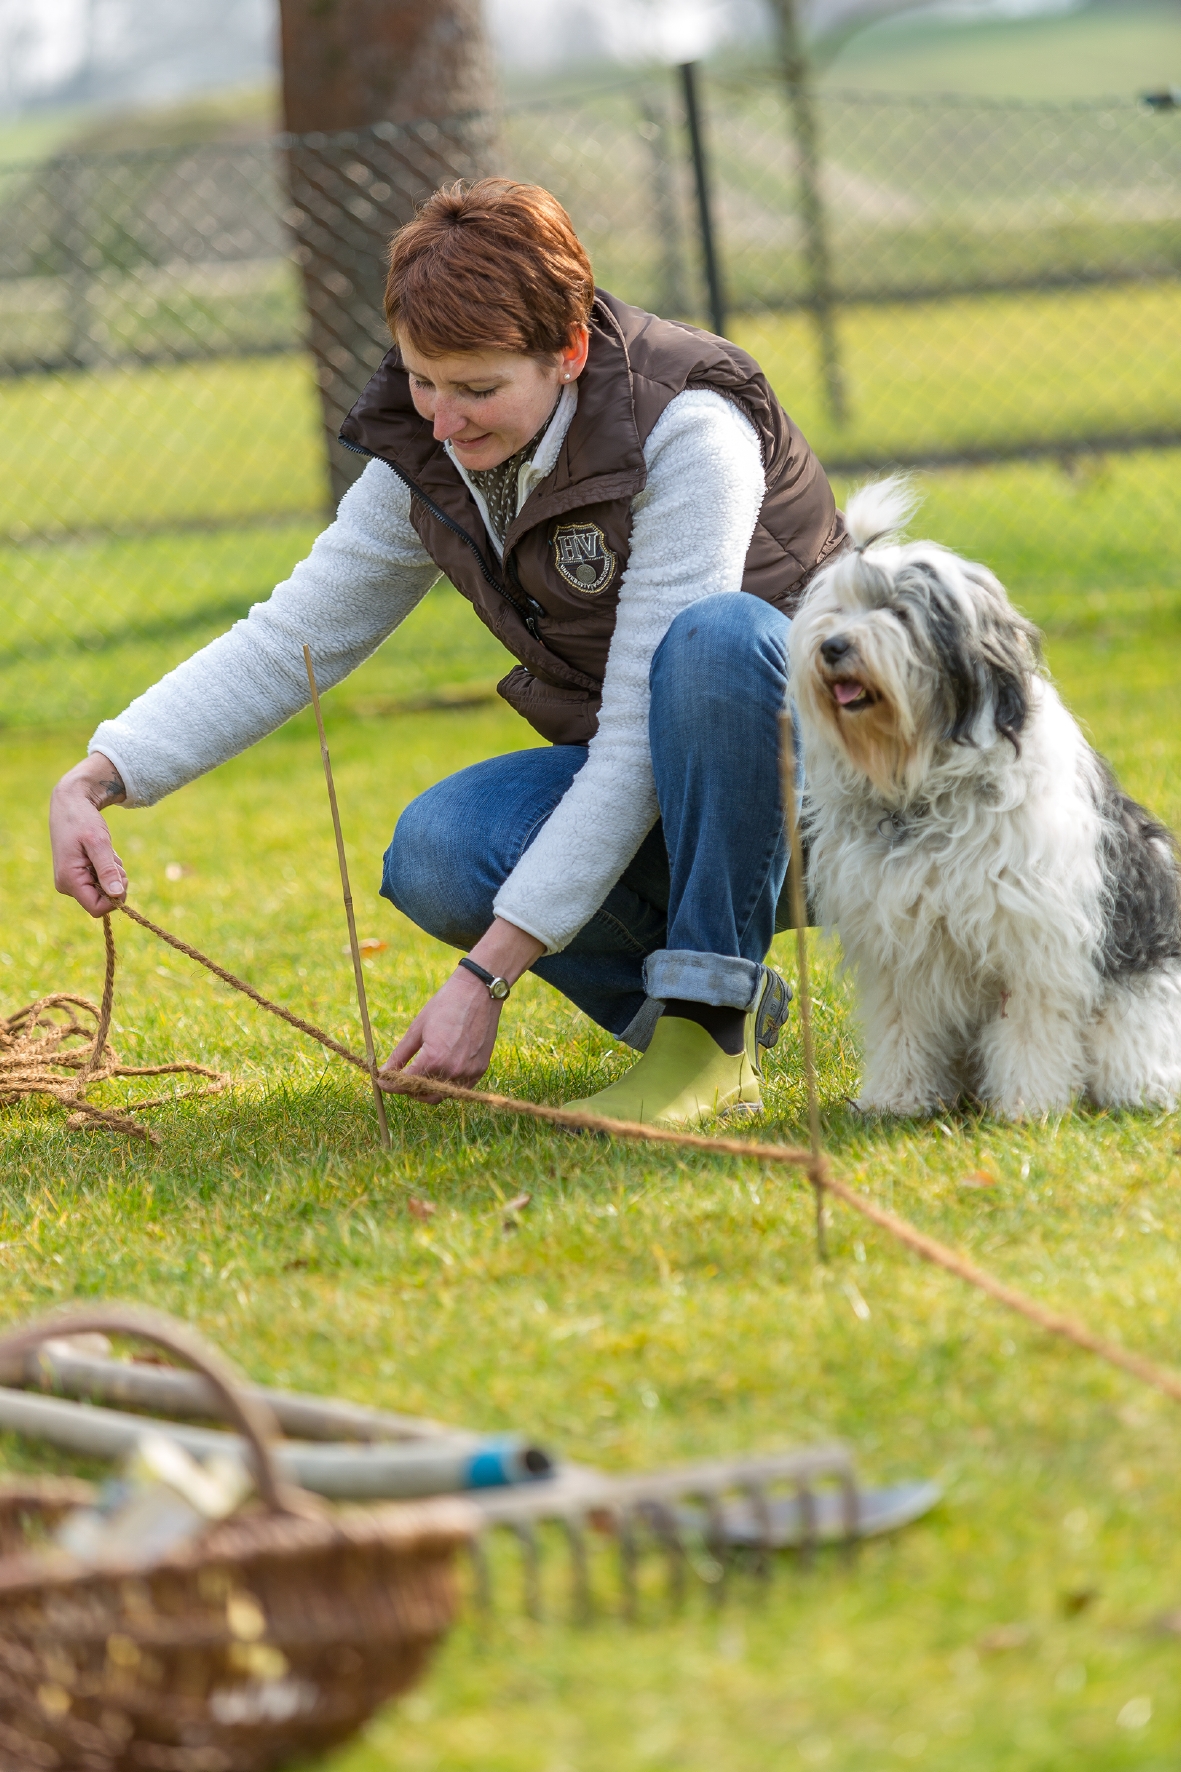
point(452, 1035)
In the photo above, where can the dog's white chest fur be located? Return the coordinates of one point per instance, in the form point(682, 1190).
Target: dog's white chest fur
point(966, 843)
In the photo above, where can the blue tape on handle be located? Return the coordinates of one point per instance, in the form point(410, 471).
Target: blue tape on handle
point(489, 1469)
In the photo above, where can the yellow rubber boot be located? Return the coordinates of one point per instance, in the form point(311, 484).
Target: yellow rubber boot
point(682, 1079)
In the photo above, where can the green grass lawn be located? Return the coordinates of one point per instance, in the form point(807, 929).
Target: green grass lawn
point(652, 1308)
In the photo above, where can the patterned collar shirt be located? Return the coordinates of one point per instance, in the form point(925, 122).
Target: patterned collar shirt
point(501, 491)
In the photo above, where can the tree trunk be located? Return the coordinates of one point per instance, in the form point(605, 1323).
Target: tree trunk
point(801, 98)
point(390, 99)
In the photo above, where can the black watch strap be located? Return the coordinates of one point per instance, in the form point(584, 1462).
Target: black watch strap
point(498, 988)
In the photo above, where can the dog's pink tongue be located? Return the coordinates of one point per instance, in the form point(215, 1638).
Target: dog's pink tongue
point(847, 692)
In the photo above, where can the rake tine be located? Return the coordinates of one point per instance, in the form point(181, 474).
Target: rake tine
point(526, 1533)
point(675, 1548)
point(582, 1605)
point(761, 1514)
point(808, 1536)
point(715, 1544)
point(851, 1513)
point(628, 1554)
point(661, 1520)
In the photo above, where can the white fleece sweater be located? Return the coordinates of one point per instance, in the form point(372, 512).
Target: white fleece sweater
point(691, 528)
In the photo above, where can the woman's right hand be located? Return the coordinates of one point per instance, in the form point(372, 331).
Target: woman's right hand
point(85, 865)
point(452, 1036)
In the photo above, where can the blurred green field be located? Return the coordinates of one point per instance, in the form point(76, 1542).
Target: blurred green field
point(1092, 50)
point(190, 443)
point(1078, 52)
point(151, 314)
point(144, 510)
point(236, 442)
point(983, 372)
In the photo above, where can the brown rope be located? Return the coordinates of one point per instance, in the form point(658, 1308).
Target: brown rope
point(432, 1089)
point(1053, 1322)
point(248, 990)
point(928, 1248)
point(59, 1046)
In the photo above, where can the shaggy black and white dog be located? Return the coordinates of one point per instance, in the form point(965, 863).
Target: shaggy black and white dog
point(1013, 919)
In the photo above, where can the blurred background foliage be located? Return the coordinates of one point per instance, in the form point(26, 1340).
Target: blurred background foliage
point(1004, 315)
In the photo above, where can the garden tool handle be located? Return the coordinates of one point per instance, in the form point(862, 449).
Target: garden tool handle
point(253, 1420)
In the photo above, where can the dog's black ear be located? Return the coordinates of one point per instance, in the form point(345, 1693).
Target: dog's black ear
point(989, 669)
point(1010, 702)
point(951, 641)
point(1011, 652)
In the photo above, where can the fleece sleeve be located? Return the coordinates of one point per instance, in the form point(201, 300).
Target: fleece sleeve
point(364, 575)
point(691, 528)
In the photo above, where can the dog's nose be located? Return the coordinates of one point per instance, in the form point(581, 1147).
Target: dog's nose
point(834, 650)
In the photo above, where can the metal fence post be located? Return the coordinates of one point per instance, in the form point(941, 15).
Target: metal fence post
point(801, 99)
point(709, 254)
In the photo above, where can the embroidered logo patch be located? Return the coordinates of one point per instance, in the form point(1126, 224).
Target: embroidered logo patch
point(583, 558)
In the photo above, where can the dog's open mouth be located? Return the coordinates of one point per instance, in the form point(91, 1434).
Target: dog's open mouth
point(850, 694)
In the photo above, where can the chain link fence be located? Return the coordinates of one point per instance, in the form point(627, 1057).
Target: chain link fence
point(988, 293)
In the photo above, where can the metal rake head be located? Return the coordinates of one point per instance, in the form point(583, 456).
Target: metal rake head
point(710, 1520)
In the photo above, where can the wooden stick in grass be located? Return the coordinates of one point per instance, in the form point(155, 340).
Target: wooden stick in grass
point(817, 1171)
point(354, 945)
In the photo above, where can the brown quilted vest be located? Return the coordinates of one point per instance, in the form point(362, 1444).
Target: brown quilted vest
point(552, 604)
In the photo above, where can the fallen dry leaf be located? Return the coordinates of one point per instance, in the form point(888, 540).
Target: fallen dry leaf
point(420, 1208)
point(978, 1178)
point(510, 1221)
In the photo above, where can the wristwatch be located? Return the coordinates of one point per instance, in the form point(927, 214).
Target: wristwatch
point(498, 988)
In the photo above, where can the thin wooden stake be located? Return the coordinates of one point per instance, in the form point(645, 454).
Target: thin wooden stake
point(354, 945)
point(817, 1171)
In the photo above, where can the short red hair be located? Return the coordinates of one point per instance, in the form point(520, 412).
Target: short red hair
point(489, 266)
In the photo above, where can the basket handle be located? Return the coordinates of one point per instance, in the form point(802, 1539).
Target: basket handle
point(251, 1417)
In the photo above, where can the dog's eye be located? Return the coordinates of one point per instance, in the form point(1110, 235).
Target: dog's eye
point(903, 616)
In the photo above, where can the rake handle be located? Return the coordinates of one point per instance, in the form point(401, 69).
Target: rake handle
point(252, 1419)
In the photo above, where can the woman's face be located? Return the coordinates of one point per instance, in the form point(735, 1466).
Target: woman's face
point(488, 404)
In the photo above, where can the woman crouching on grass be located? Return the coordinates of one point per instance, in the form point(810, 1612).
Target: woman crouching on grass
point(634, 516)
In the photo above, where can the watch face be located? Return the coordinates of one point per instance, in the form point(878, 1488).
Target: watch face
point(498, 989)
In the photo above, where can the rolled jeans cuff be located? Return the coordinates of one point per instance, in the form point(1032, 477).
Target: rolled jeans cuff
point(725, 982)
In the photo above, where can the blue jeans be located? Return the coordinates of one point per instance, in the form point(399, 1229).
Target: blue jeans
point(693, 914)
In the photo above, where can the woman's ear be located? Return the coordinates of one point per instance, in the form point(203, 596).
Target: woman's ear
point(572, 361)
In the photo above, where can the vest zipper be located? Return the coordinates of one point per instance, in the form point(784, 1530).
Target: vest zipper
point(532, 608)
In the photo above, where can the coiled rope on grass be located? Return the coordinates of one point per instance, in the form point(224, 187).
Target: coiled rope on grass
point(59, 1047)
point(812, 1161)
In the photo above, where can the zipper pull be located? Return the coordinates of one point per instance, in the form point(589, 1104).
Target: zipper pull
point(534, 607)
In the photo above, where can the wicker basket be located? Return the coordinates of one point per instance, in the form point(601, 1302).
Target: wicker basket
point(274, 1635)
